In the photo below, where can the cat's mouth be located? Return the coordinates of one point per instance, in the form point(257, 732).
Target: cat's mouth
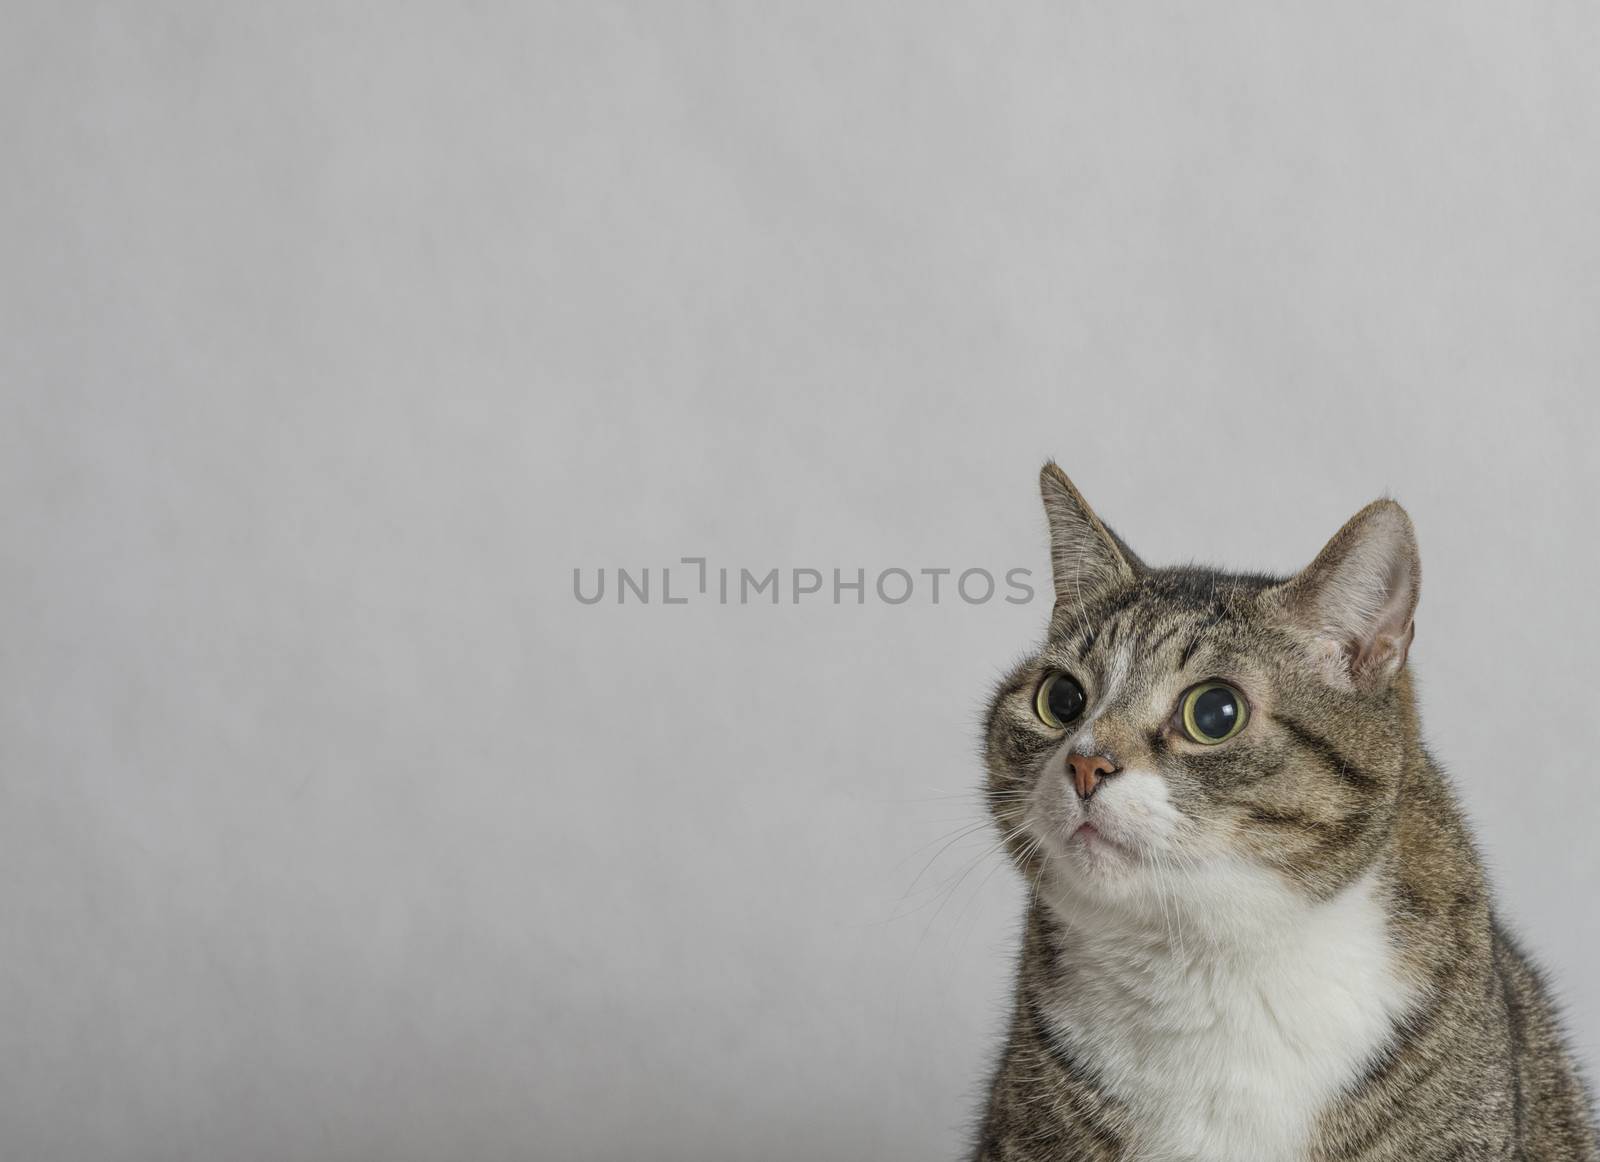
point(1091, 838)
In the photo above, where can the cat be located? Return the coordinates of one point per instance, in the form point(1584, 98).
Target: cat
point(1257, 929)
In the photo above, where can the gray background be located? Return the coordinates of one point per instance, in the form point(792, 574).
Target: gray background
point(336, 337)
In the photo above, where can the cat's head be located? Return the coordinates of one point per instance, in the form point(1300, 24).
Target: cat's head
point(1184, 734)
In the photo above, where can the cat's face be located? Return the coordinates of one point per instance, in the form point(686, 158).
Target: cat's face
point(1182, 732)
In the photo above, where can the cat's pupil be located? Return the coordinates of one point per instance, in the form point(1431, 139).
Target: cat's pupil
point(1215, 712)
point(1066, 698)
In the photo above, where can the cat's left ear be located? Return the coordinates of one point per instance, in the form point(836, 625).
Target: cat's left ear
point(1087, 559)
point(1358, 598)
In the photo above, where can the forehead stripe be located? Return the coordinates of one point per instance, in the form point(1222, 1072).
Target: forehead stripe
point(1155, 646)
point(1088, 641)
point(1111, 634)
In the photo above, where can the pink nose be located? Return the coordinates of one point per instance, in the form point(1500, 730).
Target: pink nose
point(1089, 771)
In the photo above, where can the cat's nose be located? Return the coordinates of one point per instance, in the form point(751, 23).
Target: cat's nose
point(1089, 771)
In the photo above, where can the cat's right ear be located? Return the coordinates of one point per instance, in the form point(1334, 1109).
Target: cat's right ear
point(1357, 600)
point(1086, 558)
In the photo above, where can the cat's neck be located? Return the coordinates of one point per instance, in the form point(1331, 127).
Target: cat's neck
point(1224, 1042)
point(1221, 914)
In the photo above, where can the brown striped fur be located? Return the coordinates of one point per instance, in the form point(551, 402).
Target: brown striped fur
point(1328, 784)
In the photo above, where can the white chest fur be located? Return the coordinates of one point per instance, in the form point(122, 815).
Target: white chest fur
point(1228, 1039)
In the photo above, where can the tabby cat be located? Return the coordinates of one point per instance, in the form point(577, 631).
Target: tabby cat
point(1257, 929)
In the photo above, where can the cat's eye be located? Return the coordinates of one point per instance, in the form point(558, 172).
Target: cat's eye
point(1060, 699)
point(1213, 712)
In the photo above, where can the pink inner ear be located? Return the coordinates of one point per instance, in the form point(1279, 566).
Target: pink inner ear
point(1360, 592)
point(1386, 653)
point(1391, 650)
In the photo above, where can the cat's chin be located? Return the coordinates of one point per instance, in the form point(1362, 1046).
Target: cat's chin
point(1086, 850)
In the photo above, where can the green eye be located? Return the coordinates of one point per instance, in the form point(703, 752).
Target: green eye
point(1060, 699)
point(1213, 712)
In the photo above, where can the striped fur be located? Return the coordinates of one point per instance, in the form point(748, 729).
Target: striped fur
point(1210, 875)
